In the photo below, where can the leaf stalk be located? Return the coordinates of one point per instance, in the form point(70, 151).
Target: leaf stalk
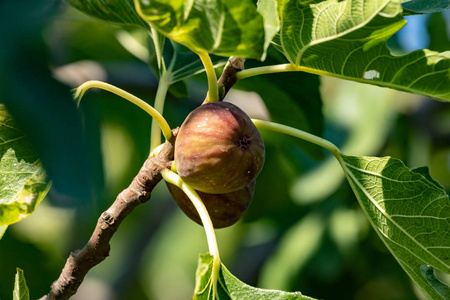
point(299, 134)
point(164, 126)
point(175, 179)
point(213, 88)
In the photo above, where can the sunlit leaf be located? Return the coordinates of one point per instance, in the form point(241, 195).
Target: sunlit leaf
point(3, 230)
point(21, 291)
point(229, 287)
point(23, 182)
point(268, 9)
point(23, 186)
point(226, 28)
point(410, 213)
point(347, 39)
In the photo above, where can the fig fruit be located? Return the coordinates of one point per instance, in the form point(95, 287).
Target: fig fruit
point(218, 149)
point(224, 209)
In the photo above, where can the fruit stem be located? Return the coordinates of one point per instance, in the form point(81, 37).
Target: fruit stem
point(299, 134)
point(213, 88)
point(174, 179)
point(160, 98)
point(164, 126)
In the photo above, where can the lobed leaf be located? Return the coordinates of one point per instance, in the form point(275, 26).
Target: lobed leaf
point(347, 39)
point(21, 291)
point(409, 211)
point(226, 28)
point(229, 287)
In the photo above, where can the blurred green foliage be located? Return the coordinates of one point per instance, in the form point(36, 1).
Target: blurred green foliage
point(304, 229)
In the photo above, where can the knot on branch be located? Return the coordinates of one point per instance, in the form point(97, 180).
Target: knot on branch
point(144, 197)
point(107, 218)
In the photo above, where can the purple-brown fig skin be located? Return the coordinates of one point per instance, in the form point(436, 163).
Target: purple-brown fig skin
point(218, 149)
point(224, 209)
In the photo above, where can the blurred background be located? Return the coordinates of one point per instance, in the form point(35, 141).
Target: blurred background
point(304, 230)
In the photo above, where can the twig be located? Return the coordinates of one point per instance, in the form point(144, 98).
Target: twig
point(97, 248)
point(228, 77)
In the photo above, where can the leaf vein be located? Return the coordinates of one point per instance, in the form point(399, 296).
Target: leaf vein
point(406, 65)
point(388, 217)
point(417, 216)
point(343, 33)
point(382, 176)
point(425, 75)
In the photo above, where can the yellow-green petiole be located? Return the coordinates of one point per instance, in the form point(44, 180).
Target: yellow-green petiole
point(213, 88)
point(298, 134)
point(164, 126)
point(174, 179)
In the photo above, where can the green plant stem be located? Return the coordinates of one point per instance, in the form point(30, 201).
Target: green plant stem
point(279, 69)
point(269, 70)
point(299, 134)
point(159, 55)
point(213, 88)
point(162, 123)
point(288, 68)
point(174, 179)
point(160, 98)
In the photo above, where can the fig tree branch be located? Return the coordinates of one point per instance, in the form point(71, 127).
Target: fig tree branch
point(97, 248)
point(229, 74)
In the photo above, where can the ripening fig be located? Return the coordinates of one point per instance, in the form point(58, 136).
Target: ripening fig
point(218, 149)
point(224, 209)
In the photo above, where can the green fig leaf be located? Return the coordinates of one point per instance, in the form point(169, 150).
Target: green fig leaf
point(21, 291)
point(23, 182)
point(268, 9)
point(225, 28)
point(347, 39)
point(410, 213)
point(229, 287)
